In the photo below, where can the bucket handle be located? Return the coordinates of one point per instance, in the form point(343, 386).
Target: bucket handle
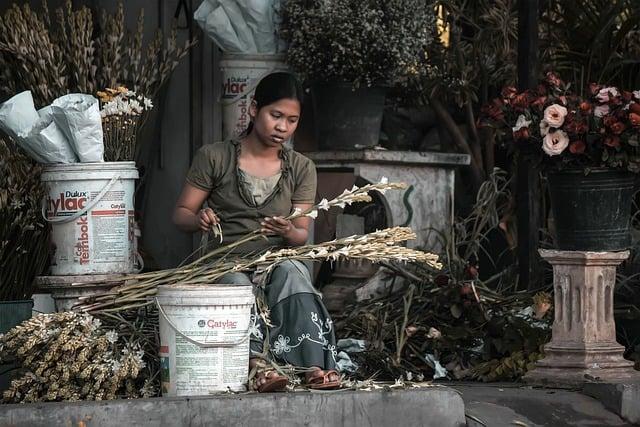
point(207, 344)
point(84, 210)
point(251, 87)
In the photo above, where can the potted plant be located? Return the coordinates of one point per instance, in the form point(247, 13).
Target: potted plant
point(350, 51)
point(588, 148)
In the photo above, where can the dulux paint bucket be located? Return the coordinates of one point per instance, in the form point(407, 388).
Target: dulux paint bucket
point(90, 207)
point(240, 76)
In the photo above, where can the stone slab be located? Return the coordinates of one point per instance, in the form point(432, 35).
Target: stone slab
point(434, 406)
point(623, 399)
point(509, 404)
point(322, 158)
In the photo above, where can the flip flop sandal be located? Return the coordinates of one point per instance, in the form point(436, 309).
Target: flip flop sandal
point(320, 381)
point(275, 382)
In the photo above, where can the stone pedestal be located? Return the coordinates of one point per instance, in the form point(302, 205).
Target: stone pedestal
point(583, 346)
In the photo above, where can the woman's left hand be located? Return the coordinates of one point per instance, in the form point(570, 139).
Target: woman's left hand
point(276, 225)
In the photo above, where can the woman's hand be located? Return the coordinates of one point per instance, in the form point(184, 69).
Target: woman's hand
point(277, 225)
point(206, 219)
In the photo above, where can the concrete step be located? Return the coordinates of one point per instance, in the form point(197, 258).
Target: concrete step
point(434, 406)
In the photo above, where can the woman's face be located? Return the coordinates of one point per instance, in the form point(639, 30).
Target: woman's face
point(275, 123)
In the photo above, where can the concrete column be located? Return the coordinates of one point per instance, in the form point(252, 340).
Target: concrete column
point(583, 345)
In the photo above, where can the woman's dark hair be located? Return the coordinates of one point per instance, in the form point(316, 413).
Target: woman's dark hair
point(273, 88)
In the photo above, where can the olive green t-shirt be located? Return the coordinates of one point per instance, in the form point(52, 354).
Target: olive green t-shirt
point(215, 169)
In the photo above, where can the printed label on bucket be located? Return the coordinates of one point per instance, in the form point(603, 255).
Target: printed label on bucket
point(232, 88)
point(235, 86)
point(198, 370)
point(102, 236)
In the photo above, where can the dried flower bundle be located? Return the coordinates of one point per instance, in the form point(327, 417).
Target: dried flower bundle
point(24, 237)
point(69, 54)
point(121, 111)
point(68, 356)
point(378, 246)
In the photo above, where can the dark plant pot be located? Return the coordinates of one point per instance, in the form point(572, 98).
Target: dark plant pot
point(12, 313)
point(347, 119)
point(592, 212)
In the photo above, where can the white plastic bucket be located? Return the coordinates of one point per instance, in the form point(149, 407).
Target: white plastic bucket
point(90, 207)
point(204, 338)
point(240, 76)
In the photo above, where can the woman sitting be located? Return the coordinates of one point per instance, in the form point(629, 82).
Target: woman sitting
point(251, 183)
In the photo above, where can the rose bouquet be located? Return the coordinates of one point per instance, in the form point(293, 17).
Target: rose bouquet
point(563, 130)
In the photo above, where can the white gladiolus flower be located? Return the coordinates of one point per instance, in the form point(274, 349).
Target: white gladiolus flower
point(384, 180)
point(324, 205)
point(313, 214)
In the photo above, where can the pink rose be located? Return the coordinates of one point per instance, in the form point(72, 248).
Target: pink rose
point(554, 115)
point(555, 143)
point(606, 93)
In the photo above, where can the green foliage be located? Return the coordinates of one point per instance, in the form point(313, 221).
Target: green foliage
point(592, 41)
point(360, 42)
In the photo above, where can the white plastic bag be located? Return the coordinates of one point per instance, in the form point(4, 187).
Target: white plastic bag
point(34, 131)
point(240, 26)
point(17, 116)
point(48, 140)
point(78, 117)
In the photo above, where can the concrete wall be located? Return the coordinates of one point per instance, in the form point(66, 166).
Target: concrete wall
point(425, 407)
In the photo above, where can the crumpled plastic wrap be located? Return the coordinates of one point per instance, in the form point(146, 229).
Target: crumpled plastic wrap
point(78, 117)
point(241, 26)
point(67, 131)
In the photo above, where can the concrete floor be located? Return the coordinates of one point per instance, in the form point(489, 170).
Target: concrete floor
point(502, 405)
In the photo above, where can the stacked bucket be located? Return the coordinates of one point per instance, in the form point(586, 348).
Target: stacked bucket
point(90, 207)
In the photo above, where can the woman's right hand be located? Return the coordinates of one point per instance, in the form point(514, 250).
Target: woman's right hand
point(207, 218)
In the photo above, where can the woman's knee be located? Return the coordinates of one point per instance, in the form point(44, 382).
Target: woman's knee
point(236, 278)
point(293, 269)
